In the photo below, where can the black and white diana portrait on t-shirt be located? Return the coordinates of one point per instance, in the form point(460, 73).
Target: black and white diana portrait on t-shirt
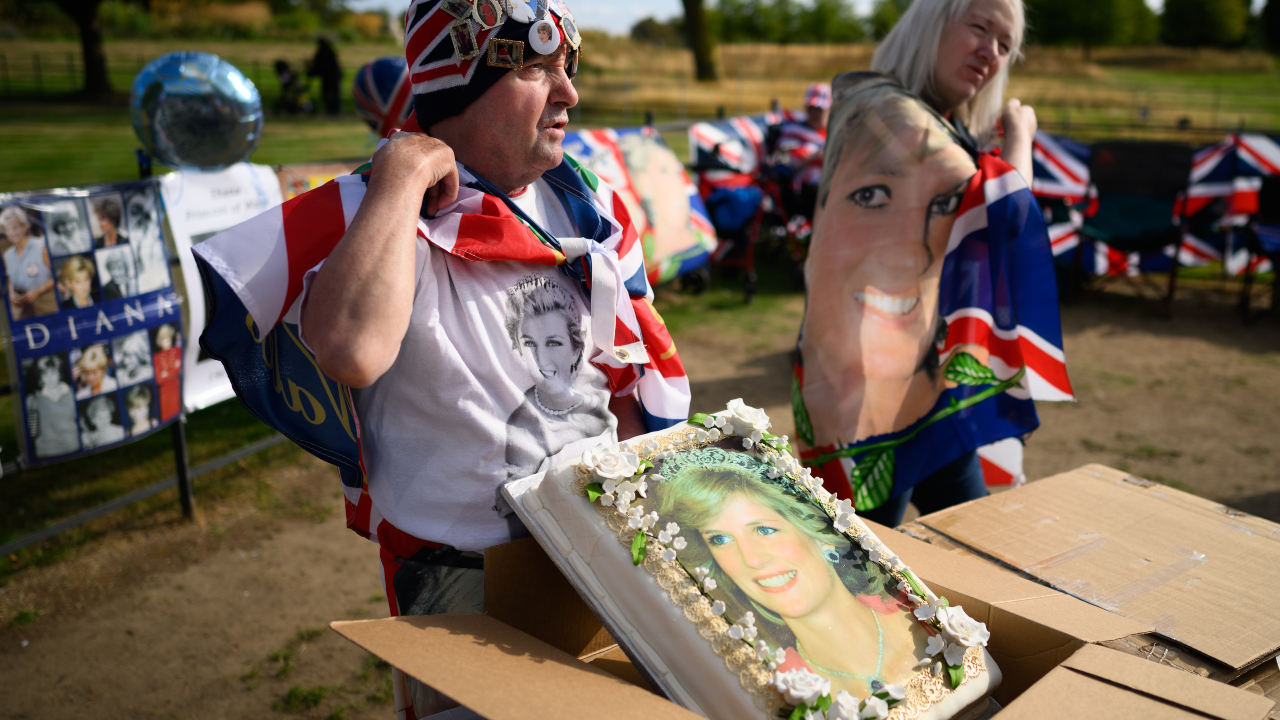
point(568, 399)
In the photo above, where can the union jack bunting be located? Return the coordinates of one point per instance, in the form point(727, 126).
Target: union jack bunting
point(382, 94)
point(998, 292)
point(254, 275)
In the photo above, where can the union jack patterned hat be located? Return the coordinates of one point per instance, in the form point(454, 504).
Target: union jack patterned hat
point(457, 49)
point(818, 96)
point(382, 94)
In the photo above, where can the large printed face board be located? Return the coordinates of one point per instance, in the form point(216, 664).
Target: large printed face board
point(94, 320)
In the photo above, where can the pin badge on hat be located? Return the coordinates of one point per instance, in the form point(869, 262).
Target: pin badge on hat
point(571, 33)
point(465, 46)
point(526, 11)
point(489, 13)
point(544, 38)
point(506, 53)
point(458, 8)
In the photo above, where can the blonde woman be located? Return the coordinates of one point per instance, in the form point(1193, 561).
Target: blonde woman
point(955, 54)
point(93, 373)
point(75, 281)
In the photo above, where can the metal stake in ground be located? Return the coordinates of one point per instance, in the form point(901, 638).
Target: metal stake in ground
point(181, 469)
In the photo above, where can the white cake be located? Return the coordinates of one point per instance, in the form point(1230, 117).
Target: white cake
point(716, 610)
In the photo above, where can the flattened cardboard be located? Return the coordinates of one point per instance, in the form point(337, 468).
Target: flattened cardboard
point(502, 673)
point(1193, 570)
point(1107, 684)
point(1033, 628)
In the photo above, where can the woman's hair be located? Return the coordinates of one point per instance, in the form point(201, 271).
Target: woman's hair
point(95, 356)
point(109, 208)
point(167, 329)
point(48, 362)
point(867, 110)
point(697, 490)
point(910, 54)
point(105, 402)
point(138, 396)
point(536, 296)
point(15, 212)
point(73, 266)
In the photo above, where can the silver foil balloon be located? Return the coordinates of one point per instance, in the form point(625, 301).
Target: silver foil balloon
point(195, 110)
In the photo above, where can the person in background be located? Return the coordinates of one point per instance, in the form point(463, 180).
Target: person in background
point(955, 54)
point(325, 66)
point(797, 153)
point(293, 92)
point(27, 265)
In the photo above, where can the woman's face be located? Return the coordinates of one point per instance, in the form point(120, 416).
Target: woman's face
point(108, 227)
point(974, 48)
point(139, 416)
point(769, 558)
point(100, 414)
point(93, 375)
point(15, 228)
point(164, 338)
point(877, 255)
point(50, 376)
point(80, 285)
point(547, 349)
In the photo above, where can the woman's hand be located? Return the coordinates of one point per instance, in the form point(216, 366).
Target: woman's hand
point(1019, 124)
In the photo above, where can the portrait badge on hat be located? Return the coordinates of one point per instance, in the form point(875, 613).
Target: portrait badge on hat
point(458, 8)
point(571, 31)
point(526, 11)
point(506, 53)
point(465, 46)
point(489, 13)
point(544, 38)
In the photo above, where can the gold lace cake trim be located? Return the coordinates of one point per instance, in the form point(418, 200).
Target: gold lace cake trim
point(922, 690)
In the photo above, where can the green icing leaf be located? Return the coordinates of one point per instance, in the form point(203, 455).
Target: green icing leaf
point(957, 675)
point(964, 369)
point(824, 703)
point(594, 491)
point(698, 419)
point(872, 478)
point(804, 426)
point(798, 713)
point(639, 547)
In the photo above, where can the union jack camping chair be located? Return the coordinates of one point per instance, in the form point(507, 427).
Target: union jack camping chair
point(1141, 188)
point(1262, 239)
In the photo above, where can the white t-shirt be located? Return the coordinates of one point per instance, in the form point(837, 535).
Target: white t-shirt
point(493, 376)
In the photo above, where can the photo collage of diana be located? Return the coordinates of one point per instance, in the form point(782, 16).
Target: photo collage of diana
point(69, 254)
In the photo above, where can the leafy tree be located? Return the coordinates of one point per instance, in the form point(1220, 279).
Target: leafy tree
point(1097, 23)
point(830, 21)
point(884, 15)
point(84, 13)
point(663, 34)
point(1271, 25)
point(1195, 23)
point(699, 31)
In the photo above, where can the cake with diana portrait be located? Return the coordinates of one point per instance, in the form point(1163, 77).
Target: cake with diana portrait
point(741, 588)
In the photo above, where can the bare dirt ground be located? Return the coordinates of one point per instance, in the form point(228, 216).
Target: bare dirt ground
point(226, 618)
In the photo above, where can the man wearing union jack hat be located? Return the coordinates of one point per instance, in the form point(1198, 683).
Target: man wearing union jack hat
point(482, 294)
point(797, 153)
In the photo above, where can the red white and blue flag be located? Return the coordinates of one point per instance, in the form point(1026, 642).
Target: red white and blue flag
point(382, 94)
point(254, 275)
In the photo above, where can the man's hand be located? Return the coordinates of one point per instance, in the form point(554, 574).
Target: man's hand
point(358, 309)
point(1019, 123)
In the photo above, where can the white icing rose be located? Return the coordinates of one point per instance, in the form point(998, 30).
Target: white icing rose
point(843, 707)
point(962, 629)
point(747, 418)
point(875, 708)
point(611, 463)
point(801, 687)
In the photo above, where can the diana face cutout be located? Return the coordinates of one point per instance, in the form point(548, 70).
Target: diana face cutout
point(548, 351)
point(874, 269)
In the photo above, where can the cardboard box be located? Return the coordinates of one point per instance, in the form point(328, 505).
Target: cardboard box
point(1202, 576)
point(543, 642)
point(1109, 685)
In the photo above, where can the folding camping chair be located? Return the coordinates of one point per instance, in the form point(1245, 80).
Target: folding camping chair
point(1141, 190)
point(1262, 239)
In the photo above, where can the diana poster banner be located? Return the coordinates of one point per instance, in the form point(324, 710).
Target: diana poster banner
point(95, 326)
point(201, 205)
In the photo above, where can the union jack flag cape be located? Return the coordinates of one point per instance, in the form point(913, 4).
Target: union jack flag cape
point(253, 277)
point(998, 292)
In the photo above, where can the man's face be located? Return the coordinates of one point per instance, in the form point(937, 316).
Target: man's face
point(512, 133)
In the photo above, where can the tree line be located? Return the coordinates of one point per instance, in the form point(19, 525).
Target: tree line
point(1080, 23)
